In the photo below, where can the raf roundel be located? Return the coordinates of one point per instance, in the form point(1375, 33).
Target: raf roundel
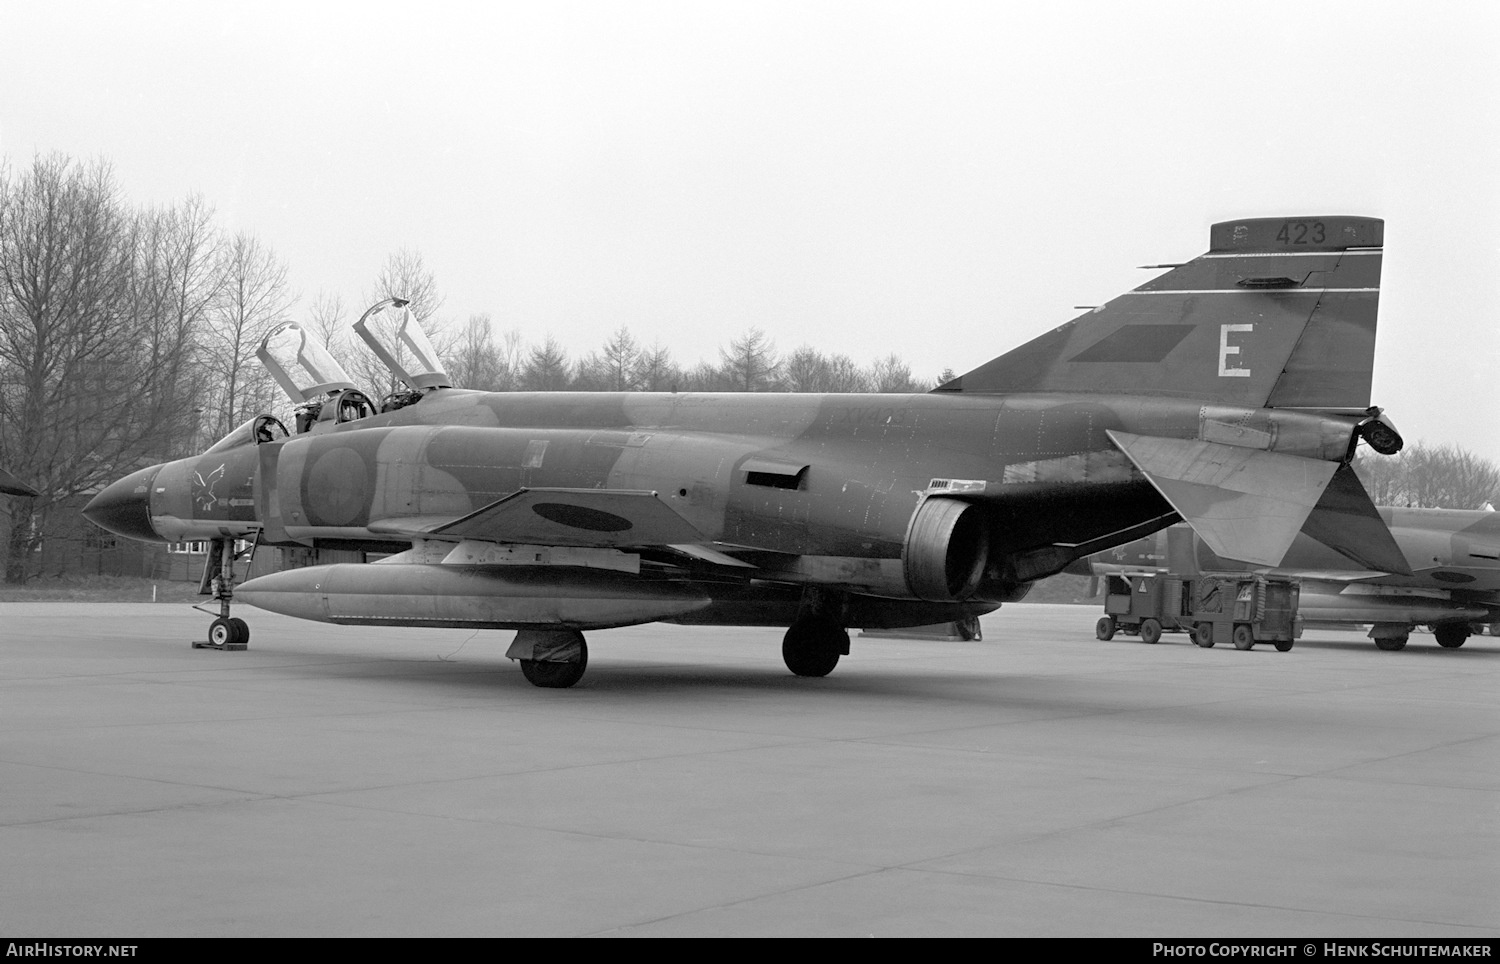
point(581, 517)
point(337, 488)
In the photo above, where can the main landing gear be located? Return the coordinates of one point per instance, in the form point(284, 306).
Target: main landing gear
point(553, 659)
point(1392, 636)
point(1451, 635)
point(225, 632)
point(812, 646)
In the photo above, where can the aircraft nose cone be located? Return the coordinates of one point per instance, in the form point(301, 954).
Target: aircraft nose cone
point(124, 508)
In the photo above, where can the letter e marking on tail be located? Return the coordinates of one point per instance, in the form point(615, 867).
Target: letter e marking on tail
point(1226, 349)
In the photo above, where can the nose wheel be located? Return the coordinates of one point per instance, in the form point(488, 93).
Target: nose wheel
point(228, 633)
point(225, 632)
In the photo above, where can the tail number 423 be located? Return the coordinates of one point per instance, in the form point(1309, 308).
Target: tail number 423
point(1301, 232)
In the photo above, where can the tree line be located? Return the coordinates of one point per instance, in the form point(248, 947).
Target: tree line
point(476, 358)
point(1431, 477)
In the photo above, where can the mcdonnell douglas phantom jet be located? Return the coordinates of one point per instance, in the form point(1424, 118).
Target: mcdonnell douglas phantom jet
point(1229, 392)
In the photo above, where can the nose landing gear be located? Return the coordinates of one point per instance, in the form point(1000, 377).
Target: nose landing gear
point(225, 632)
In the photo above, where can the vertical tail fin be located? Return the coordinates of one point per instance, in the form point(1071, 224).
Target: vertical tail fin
point(1279, 312)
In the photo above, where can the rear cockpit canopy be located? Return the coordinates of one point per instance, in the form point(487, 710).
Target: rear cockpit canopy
point(396, 337)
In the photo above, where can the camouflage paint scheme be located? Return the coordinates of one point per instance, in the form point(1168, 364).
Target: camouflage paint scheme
point(1230, 391)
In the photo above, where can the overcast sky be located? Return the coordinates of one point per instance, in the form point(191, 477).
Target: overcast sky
point(942, 181)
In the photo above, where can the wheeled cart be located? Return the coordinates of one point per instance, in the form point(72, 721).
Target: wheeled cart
point(1242, 608)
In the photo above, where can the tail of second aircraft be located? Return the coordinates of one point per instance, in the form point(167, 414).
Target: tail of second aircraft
point(1279, 313)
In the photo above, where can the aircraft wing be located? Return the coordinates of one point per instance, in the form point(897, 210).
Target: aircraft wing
point(600, 518)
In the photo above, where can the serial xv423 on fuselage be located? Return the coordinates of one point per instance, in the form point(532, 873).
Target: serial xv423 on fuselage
point(1230, 392)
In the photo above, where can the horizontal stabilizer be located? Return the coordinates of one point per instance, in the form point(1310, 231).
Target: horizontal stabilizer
point(1346, 521)
point(1245, 503)
point(564, 517)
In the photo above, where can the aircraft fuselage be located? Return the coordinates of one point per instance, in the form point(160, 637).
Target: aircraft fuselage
point(820, 476)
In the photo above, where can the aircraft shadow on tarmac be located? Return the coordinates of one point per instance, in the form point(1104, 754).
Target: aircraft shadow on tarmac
point(903, 680)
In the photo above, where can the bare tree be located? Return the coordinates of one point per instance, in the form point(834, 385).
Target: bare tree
point(325, 319)
point(510, 360)
point(546, 368)
point(809, 370)
point(95, 366)
point(891, 374)
point(614, 368)
point(750, 364)
point(253, 297)
point(655, 371)
point(1430, 476)
point(475, 360)
point(806, 370)
point(846, 376)
point(1450, 477)
point(1384, 477)
point(704, 377)
point(622, 356)
point(405, 275)
point(175, 283)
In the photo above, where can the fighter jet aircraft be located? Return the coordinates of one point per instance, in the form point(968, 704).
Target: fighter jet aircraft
point(1230, 391)
point(1452, 582)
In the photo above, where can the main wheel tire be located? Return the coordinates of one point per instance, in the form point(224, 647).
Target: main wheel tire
point(1390, 643)
point(1243, 637)
point(1283, 645)
point(552, 676)
point(968, 629)
point(1105, 628)
point(1203, 635)
point(1150, 631)
point(805, 663)
point(556, 676)
point(1451, 635)
point(812, 647)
